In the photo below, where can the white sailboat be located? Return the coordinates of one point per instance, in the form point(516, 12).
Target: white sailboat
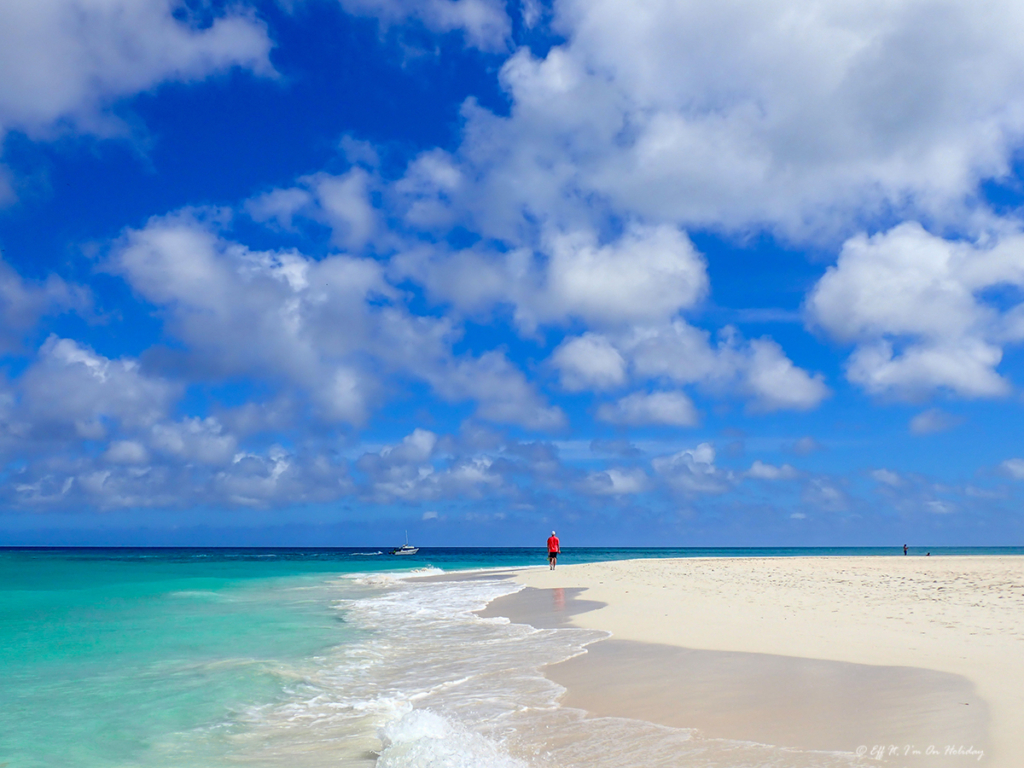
point(405, 549)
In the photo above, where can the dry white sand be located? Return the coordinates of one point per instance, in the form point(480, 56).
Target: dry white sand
point(960, 615)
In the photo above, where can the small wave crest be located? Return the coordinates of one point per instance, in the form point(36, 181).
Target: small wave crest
point(393, 577)
point(422, 738)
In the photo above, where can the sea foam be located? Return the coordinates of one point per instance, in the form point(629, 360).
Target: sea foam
point(425, 739)
point(426, 683)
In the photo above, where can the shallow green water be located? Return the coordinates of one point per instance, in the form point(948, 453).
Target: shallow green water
point(103, 657)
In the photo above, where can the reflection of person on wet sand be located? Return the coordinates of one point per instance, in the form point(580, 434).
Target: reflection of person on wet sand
point(553, 549)
point(557, 595)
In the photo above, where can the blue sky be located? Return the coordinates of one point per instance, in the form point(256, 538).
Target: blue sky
point(648, 272)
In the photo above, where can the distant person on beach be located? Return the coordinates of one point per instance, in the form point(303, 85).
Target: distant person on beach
point(553, 549)
point(904, 549)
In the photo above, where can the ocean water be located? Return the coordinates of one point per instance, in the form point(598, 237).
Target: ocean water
point(203, 658)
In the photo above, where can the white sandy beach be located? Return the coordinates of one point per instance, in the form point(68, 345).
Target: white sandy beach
point(958, 615)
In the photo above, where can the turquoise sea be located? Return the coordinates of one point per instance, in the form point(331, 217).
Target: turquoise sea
point(301, 657)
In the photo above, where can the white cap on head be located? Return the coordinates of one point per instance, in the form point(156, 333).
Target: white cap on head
point(552, 533)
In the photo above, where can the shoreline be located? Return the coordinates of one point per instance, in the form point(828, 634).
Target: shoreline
point(894, 646)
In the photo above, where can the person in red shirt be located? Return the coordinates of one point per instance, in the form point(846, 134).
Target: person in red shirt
point(553, 549)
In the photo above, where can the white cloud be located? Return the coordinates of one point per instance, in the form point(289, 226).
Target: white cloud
point(532, 11)
point(218, 296)
point(126, 452)
point(650, 273)
point(277, 477)
point(762, 471)
point(647, 274)
point(71, 388)
point(931, 421)
point(677, 352)
point(63, 62)
point(501, 390)
point(589, 362)
point(817, 114)
point(415, 448)
point(23, 303)
point(413, 471)
point(821, 493)
point(484, 22)
point(342, 202)
point(693, 471)
point(127, 476)
point(425, 194)
point(777, 384)
point(195, 440)
point(669, 408)
point(279, 206)
point(758, 369)
point(887, 477)
point(805, 446)
point(616, 482)
point(913, 304)
point(1014, 468)
point(939, 507)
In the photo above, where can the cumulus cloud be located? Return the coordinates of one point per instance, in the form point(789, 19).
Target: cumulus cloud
point(589, 362)
point(824, 494)
point(805, 446)
point(501, 390)
point(758, 369)
point(71, 389)
point(759, 470)
point(913, 304)
point(126, 452)
point(23, 303)
point(616, 482)
point(817, 115)
point(94, 432)
point(483, 22)
point(887, 477)
point(639, 408)
point(413, 471)
point(631, 129)
point(693, 471)
point(776, 383)
point(126, 479)
point(330, 327)
point(618, 447)
point(192, 439)
point(339, 201)
point(931, 421)
point(64, 62)
point(648, 273)
point(1013, 468)
point(914, 494)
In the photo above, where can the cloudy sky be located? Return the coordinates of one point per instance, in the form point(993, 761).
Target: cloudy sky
point(651, 272)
